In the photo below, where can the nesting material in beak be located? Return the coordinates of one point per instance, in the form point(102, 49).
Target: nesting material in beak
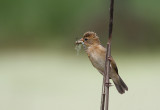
point(80, 41)
point(79, 44)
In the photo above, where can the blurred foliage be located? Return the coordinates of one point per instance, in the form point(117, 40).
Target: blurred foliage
point(57, 23)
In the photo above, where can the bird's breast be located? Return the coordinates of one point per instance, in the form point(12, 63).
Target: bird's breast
point(97, 58)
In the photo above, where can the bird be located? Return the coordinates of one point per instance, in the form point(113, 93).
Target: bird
point(97, 55)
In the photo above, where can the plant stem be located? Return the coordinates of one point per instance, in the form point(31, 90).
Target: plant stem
point(106, 83)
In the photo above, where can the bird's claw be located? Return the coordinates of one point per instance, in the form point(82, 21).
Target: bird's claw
point(109, 58)
point(108, 84)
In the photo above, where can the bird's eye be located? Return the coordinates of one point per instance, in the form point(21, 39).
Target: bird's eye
point(85, 39)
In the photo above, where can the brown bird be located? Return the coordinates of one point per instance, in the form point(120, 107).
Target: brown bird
point(97, 54)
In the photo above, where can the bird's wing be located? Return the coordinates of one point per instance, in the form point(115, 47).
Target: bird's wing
point(113, 64)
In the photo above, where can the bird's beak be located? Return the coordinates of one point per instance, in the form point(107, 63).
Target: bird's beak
point(80, 41)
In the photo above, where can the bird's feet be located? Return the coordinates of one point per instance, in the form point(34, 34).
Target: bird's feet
point(108, 84)
point(110, 58)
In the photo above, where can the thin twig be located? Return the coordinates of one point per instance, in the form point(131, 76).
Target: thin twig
point(106, 83)
point(107, 70)
point(108, 54)
point(111, 20)
point(103, 94)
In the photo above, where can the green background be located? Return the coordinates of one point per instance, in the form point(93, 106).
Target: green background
point(39, 66)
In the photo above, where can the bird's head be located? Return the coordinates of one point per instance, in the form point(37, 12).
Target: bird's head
point(89, 39)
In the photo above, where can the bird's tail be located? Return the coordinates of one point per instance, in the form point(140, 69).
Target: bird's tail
point(120, 85)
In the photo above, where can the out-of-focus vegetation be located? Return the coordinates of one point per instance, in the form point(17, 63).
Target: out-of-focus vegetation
point(57, 23)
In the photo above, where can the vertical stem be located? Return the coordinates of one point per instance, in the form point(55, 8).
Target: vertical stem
point(111, 20)
point(103, 94)
point(108, 54)
point(107, 71)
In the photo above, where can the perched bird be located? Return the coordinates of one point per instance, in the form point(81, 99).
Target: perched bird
point(97, 55)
